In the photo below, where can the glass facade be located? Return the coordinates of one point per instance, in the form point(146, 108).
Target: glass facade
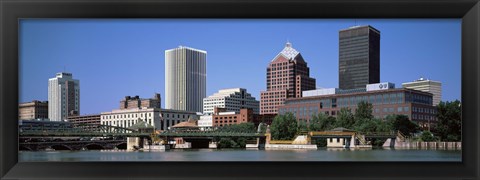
point(359, 57)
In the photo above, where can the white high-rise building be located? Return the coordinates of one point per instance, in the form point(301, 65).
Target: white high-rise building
point(426, 85)
point(63, 96)
point(232, 99)
point(185, 79)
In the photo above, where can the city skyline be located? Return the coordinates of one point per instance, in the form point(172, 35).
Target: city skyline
point(39, 59)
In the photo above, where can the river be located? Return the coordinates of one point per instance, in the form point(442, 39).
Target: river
point(324, 154)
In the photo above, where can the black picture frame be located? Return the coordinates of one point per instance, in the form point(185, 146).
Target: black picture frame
point(12, 10)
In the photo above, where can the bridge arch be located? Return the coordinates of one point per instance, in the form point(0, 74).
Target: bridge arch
point(61, 147)
point(94, 146)
point(24, 148)
point(122, 145)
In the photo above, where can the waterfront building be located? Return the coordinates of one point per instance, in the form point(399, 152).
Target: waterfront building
point(136, 102)
point(205, 122)
point(33, 110)
point(63, 96)
point(232, 100)
point(161, 119)
point(426, 85)
point(359, 57)
point(287, 76)
point(417, 105)
point(222, 117)
point(185, 78)
point(91, 119)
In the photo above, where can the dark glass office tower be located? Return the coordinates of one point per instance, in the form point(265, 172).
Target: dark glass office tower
point(359, 57)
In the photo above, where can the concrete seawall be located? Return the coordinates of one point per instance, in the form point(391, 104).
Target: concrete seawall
point(290, 146)
point(429, 145)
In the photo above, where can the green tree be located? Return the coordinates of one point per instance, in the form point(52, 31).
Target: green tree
point(364, 111)
point(321, 122)
point(284, 127)
point(427, 136)
point(345, 118)
point(449, 127)
point(248, 127)
point(302, 126)
point(226, 143)
point(404, 125)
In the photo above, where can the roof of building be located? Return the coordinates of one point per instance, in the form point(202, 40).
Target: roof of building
point(341, 129)
point(288, 52)
point(186, 47)
point(229, 92)
point(191, 123)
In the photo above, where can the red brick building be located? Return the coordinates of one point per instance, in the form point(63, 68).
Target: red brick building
point(417, 105)
point(222, 118)
point(287, 76)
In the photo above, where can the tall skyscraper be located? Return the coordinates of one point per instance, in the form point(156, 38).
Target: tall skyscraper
point(185, 78)
point(426, 85)
point(359, 57)
point(287, 76)
point(63, 97)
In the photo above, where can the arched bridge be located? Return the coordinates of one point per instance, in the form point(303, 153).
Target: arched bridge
point(73, 145)
point(209, 134)
point(82, 130)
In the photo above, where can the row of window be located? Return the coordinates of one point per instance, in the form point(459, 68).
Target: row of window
point(126, 116)
point(225, 121)
point(390, 98)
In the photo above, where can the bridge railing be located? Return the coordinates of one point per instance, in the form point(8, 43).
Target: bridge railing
point(330, 133)
point(210, 133)
point(385, 134)
point(78, 130)
point(281, 141)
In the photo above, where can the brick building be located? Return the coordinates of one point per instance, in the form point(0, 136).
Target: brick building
point(417, 105)
point(136, 102)
point(221, 117)
point(287, 76)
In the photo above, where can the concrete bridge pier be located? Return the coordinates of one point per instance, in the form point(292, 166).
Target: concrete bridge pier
point(134, 143)
point(390, 142)
point(352, 143)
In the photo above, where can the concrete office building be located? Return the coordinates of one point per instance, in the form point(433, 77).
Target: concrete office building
point(133, 110)
point(287, 76)
point(426, 85)
point(63, 96)
point(33, 110)
point(185, 78)
point(359, 57)
point(161, 119)
point(386, 100)
point(91, 119)
point(232, 100)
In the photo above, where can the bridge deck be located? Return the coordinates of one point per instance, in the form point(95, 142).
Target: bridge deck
point(209, 134)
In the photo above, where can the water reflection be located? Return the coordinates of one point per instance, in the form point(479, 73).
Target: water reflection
point(323, 154)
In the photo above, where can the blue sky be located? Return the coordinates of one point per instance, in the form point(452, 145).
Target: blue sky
point(116, 58)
